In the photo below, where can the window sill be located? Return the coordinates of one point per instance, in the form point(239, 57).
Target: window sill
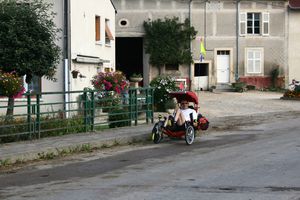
point(253, 36)
point(98, 43)
point(254, 74)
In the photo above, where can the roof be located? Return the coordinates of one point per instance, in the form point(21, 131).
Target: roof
point(294, 4)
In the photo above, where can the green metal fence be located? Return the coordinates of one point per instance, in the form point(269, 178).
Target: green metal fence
point(59, 113)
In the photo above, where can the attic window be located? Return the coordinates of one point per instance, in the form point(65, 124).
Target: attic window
point(123, 22)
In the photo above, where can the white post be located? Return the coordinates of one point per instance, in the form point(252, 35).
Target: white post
point(66, 86)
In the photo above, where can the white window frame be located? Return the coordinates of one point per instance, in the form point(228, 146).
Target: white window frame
point(257, 70)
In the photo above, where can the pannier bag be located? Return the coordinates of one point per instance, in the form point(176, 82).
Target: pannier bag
point(203, 123)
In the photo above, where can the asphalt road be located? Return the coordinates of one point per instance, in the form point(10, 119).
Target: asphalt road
point(258, 162)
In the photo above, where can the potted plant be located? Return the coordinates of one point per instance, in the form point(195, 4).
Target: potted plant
point(75, 73)
point(136, 77)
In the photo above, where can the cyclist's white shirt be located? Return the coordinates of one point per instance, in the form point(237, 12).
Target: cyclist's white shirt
point(186, 113)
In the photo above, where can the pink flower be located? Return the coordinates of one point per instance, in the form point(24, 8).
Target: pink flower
point(108, 85)
point(117, 89)
point(111, 81)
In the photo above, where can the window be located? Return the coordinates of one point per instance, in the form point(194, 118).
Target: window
point(97, 29)
point(254, 60)
point(34, 86)
point(108, 34)
point(172, 66)
point(254, 23)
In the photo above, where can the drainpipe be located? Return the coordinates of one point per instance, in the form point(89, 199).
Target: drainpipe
point(191, 45)
point(237, 39)
point(204, 19)
point(66, 47)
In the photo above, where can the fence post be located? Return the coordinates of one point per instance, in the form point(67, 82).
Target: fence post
point(85, 113)
point(38, 115)
point(152, 104)
point(92, 110)
point(130, 106)
point(136, 107)
point(147, 105)
point(29, 114)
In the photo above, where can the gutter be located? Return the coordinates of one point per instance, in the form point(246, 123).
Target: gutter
point(191, 45)
point(237, 40)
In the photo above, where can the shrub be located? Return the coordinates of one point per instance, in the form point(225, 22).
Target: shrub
point(10, 84)
point(250, 87)
point(49, 126)
point(239, 86)
point(162, 86)
point(274, 76)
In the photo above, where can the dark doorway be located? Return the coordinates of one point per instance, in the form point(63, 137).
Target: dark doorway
point(129, 55)
point(201, 69)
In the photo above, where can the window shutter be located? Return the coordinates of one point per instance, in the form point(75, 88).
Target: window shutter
point(97, 28)
point(243, 21)
point(265, 23)
point(108, 32)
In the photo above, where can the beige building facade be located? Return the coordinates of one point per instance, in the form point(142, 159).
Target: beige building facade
point(244, 40)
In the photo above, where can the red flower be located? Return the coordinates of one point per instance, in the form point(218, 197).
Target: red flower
point(111, 81)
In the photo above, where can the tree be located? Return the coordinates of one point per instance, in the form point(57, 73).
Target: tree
point(27, 39)
point(168, 41)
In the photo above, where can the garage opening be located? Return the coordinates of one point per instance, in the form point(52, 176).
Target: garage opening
point(129, 55)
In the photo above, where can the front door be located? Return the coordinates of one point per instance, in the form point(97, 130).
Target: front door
point(223, 62)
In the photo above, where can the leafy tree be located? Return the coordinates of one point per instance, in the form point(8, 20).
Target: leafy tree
point(168, 41)
point(27, 39)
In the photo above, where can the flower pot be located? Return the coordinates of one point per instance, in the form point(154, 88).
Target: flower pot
point(135, 79)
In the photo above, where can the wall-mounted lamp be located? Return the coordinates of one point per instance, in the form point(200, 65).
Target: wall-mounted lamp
point(82, 76)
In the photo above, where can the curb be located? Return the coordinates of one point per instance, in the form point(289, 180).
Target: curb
point(60, 150)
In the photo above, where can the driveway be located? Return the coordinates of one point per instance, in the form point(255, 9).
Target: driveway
point(215, 105)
